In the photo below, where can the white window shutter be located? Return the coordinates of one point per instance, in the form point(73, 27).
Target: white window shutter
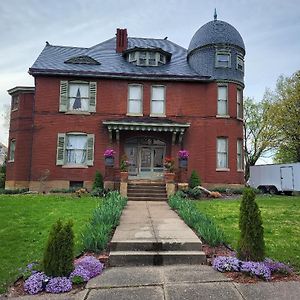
point(60, 154)
point(63, 101)
point(90, 149)
point(93, 96)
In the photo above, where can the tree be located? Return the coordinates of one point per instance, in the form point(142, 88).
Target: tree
point(194, 180)
point(258, 131)
point(98, 181)
point(251, 245)
point(284, 116)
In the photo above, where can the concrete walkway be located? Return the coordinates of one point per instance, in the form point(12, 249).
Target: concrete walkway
point(150, 233)
point(177, 282)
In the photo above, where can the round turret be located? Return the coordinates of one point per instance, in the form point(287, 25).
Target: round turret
point(217, 49)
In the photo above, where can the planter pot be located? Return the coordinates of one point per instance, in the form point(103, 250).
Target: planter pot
point(109, 161)
point(124, 176)
point(183, 163)
point(169, 177)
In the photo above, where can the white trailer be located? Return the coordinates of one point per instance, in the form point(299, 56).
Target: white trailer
point(275, 178)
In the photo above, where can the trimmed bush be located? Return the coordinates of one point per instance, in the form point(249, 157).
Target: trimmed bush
point(105, 218)
point(251, 245)
point(59, 252)
point(98, 181)
point(200, 222)
point(194, 180)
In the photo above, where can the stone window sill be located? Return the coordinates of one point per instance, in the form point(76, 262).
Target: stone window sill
point(157, 115)
point(134, 115)
point(240, 170)
point(223, 116)
point(74, 166)
point(77, 113)
point(223, 170)
point(11, 161)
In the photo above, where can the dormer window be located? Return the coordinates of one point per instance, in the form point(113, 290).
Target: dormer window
point(223, 59)
point(240, 62)
point(147, 57)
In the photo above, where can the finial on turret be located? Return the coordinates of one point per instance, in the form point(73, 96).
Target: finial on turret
point(215, 15)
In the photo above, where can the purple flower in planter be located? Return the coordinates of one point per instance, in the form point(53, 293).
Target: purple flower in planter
point(81, 272)
point(226, 264)
point(35, 283)
point(109, 153)
point(59, 285)
point(92, 265)
point(183, 154)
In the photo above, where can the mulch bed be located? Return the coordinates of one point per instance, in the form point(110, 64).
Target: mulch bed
point(223, 250)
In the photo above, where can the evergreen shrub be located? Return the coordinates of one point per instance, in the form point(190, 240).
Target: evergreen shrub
point(98, 181)
point(194, 180)
point(59, 251)
point(251, 245)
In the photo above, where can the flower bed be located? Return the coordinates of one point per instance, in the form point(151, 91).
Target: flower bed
point(262, 270)
point(86, 268)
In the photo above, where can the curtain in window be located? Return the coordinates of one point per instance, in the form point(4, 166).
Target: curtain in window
point(135, 99)
point(79, 97)
point(239, 154)
point(76, 149)
point(158, 100)
point(222, 153)
point(222, 100)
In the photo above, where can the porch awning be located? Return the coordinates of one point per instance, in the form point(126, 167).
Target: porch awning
point(146, 124)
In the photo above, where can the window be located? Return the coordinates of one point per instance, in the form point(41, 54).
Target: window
point(239, 103)
point(239, 157)
point(223, 59)
point(240, 62)
point(158, 101)
point(75, 149)
point(146, 58)
point(12, 148)
point(14, 102)
point(77, 96)
point(222, 153)
point(222, 100)
point(135, 103)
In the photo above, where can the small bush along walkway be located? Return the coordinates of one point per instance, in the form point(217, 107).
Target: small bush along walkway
point(281, 222)
point(25, 221)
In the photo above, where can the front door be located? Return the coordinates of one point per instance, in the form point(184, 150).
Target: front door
point(146, 157)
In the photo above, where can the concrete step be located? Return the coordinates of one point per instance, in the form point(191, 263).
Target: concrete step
point(146, 188)
point(164, 245)
point(155, 258)
point(143, 193)
point(147, 198)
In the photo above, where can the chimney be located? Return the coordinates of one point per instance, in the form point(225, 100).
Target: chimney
point(121, 40)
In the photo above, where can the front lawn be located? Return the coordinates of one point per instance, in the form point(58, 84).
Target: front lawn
point(281, 221)
point(25, 221)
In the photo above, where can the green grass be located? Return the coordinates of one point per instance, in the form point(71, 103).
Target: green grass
point(25, 222)
point(281, 221)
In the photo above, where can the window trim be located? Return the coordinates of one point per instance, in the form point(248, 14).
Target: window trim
point(227, 154)
point(151, 99)
point(140, 114)
point(239, 112)
point(223, 52)
point(226, 116)
point(13, 140)
point(240, 57)
point(239, 142)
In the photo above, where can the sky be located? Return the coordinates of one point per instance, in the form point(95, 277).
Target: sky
point(270, 29)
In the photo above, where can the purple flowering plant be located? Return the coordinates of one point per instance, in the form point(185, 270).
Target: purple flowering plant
point(183, 154)
point(35, 283)
point(91, 265)
point(58, 285)
point(109, 153)
point(262, 269)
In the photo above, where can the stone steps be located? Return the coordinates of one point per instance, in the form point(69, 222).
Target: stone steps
point(155, 258)
point(146, 191)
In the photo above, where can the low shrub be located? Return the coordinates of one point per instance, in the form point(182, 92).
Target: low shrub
point(105, 217)
point(2, 180)
point(98, 192)
point(64, 191)
point(98, 181)
point(194, 180)
point(12, 192)
point(233, 191)
point(200, 222)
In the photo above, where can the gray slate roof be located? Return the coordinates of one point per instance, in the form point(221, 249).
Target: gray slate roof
point(216, 32)
point(52, 61)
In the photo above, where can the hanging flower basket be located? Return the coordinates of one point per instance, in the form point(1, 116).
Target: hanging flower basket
point(183, 156)
point(109, 157)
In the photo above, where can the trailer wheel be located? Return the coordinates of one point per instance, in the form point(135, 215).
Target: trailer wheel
point(273, 190)
point(262, 189)
point(288, 193)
